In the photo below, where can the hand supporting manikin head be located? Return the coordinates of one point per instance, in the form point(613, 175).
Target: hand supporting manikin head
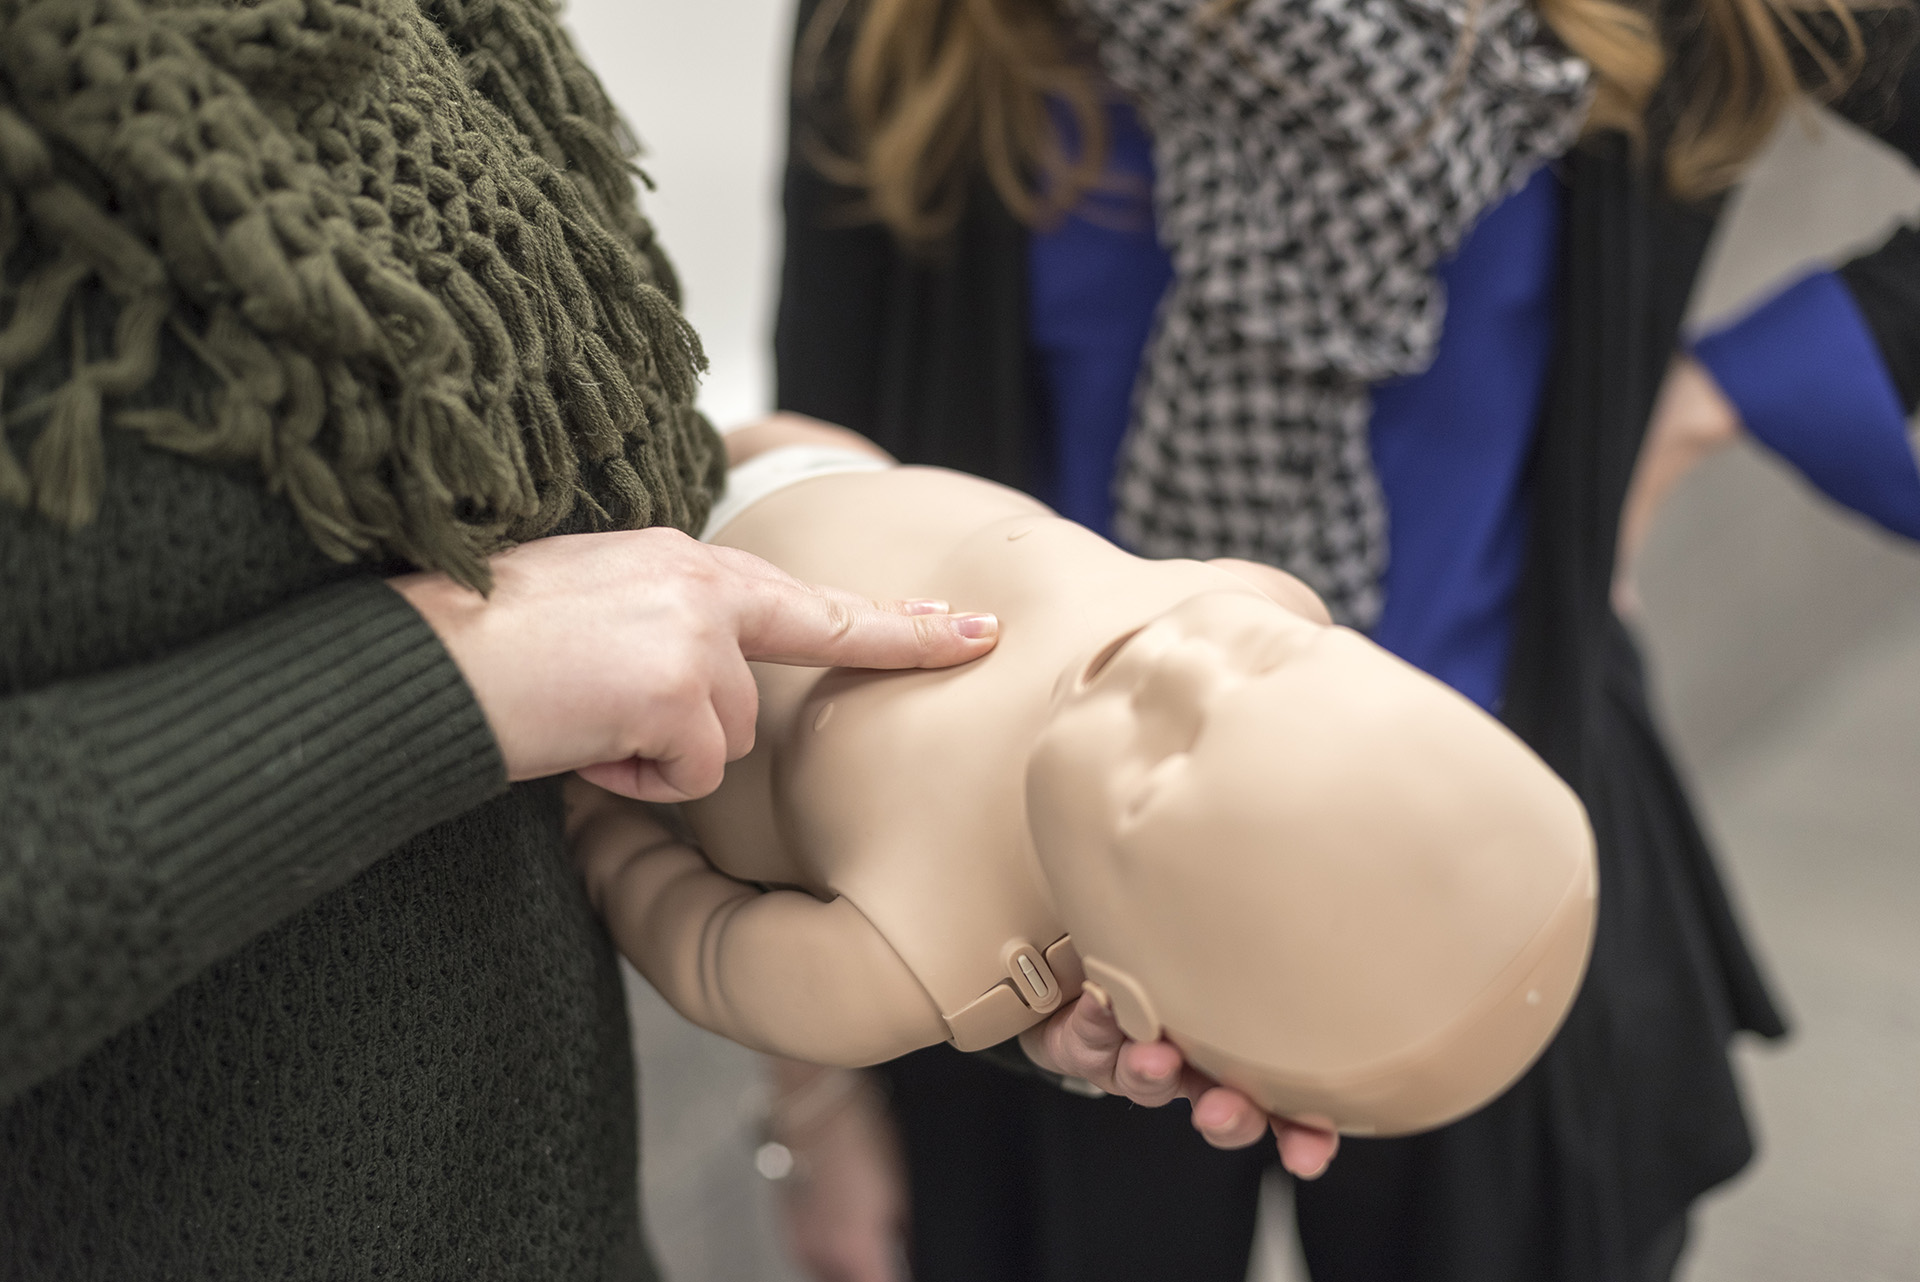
point(1332, 882)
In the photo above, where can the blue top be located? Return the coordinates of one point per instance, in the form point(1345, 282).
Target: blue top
point(1810, 385)
point(1450, 444)
point(1093, 284)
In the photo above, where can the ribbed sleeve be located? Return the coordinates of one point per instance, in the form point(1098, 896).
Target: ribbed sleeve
point(159, 816)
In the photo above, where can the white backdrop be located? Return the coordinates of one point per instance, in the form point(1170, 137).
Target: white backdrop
point(703, 83)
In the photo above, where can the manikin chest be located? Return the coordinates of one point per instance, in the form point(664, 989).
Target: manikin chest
point(904, 793)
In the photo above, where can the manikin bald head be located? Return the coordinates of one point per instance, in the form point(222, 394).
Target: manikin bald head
point(1333, 882)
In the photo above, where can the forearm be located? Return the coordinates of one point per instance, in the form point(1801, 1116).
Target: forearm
point(778, 971)
point(159, 817)
point(666, 910)
point(680, 924)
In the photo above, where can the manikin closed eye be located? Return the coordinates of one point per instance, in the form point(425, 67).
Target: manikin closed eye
point(1107, 655)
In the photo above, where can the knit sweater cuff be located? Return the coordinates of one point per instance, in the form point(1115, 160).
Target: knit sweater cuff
point(271, 764)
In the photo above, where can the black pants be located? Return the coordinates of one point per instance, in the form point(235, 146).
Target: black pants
point(1014, 1180)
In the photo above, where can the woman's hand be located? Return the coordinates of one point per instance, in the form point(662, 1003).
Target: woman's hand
point(1083, 1040)
point(624, 655)
point(1692, 419)
point(843, 1203)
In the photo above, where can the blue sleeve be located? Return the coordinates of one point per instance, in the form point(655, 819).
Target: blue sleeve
point(1808, 380)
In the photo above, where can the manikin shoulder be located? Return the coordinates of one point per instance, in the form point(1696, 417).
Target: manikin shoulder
point(904, 532)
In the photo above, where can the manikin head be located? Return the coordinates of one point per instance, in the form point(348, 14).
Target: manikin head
point(1334, 883)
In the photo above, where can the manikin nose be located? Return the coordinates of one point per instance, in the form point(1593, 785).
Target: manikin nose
point(1171, 702)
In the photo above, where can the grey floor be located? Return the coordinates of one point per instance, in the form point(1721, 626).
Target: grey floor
point(1784, 636)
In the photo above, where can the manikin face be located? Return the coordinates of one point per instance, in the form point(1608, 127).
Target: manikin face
point(1304, 857)
point(1129, 721)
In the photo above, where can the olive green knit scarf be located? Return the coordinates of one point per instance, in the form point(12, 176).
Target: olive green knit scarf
point(402, 234)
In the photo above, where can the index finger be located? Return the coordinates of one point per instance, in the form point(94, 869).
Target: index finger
point(783, 620)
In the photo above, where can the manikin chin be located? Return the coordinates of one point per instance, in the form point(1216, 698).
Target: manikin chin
point(1331, 881)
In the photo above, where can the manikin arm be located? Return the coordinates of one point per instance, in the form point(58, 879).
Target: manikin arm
point(779, 971)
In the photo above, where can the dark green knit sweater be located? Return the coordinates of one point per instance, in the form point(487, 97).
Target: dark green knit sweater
point(291, 983)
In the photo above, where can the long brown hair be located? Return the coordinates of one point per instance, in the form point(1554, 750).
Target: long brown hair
point(938, 90)
point(935, 91)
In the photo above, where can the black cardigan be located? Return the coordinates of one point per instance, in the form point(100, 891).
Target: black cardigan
point(1634, 1111)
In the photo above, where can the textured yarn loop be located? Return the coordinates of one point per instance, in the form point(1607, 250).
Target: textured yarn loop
point(402, 237)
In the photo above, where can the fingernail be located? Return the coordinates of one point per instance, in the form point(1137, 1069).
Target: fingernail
point(923, 607)
point(976, 626)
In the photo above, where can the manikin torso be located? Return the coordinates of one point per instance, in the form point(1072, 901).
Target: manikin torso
point(854, 787)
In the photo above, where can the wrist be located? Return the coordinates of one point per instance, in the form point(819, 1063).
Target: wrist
point(800, 1110)
point(448, 608)
point(456, 615)
point(803, 1105)
point(1705, 417)
point(497, 641)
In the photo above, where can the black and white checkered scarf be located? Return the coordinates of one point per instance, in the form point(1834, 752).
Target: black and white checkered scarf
point(1315, 159)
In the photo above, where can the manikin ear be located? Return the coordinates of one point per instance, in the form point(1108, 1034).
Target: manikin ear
point(1279, 585)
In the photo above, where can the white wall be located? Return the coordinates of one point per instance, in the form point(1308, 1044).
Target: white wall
point(703, 83)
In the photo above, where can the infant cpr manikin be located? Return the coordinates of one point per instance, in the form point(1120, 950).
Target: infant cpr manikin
point(1335, 884)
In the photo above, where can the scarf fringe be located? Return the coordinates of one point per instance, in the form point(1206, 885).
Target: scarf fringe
point(433, 312)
